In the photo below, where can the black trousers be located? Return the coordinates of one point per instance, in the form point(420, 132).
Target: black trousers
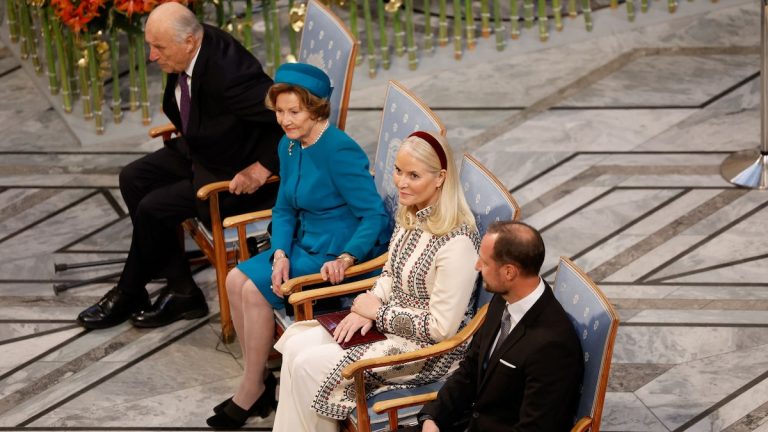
point(460, 426)
point(159, 190)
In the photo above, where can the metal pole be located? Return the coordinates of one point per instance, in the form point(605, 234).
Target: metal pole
point(69, 266)
point(749, 168)
point(60, 288)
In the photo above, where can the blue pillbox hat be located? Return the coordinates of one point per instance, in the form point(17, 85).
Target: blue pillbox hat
point(304, 75)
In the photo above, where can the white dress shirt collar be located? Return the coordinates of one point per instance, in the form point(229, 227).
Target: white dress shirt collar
point(188, 71)
point(191, 66)
point(518, 309)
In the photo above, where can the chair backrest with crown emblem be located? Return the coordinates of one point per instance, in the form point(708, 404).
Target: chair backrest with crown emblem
point(403, 114)
point(596, 323)
point(489, 201)
point(327, 43)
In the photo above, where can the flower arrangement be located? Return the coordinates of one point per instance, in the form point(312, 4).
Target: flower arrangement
point(81, 37)
point(130, 7)
point(78, 13)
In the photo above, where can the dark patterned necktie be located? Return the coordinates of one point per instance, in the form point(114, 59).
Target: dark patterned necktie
point(185, 101)
point(506, 326)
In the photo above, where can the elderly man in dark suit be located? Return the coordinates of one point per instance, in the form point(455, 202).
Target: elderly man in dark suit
point(215, 96)
point(524, 367)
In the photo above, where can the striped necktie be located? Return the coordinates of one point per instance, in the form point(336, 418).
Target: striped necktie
point(506, 326)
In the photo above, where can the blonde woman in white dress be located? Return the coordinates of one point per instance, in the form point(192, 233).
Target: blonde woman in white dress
point(422, 297)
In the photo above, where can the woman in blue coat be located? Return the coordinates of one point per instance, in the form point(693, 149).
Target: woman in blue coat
point(327, 215)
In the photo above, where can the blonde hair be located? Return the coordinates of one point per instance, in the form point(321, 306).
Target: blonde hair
point(450, 210)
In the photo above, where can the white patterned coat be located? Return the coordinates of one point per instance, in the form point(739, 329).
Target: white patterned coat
point(426, 288)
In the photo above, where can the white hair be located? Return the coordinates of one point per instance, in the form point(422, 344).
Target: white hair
point(185, 24)
point(177, 18)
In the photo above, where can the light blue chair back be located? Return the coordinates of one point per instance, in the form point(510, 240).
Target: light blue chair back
point(596, 323)
point(489, 201)
point(328, 44)
point(403, 114)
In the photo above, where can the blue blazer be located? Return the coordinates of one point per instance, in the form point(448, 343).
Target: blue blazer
point(327, 202)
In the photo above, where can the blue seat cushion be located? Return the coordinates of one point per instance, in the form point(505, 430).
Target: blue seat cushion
point(406, 416)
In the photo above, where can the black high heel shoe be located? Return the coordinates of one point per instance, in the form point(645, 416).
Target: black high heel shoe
point(231, 416)
point(217, 409)
point(270, 382)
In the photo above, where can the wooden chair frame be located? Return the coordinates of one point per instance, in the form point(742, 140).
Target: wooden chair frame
point(584, 424)
point(215, 251)
point(592, 423)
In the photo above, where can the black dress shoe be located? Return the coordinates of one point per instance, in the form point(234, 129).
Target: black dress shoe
point(231, 416)
point(270, 386)
point(115, 307)
point(170, 307)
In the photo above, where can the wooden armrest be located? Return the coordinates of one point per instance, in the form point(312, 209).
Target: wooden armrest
point(583, 425)
point(246, 218)
point(204, 192)
point(296, 284)
point(165, 129)
point(220, 186)
point(333, 291)
point(430, 351)
point(403, 402)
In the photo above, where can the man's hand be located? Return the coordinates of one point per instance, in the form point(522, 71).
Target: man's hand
point(249, 180)
point(429, 426)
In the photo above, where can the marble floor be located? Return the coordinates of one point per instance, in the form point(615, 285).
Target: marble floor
point(611, 142)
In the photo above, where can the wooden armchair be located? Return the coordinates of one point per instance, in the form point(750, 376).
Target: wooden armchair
point(596, 322)
point(326, 43)
point(403, 114)
point(489, 201)
point(216, 243)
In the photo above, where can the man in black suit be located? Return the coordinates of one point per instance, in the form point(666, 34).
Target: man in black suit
point(215, 96)
point(523, 379)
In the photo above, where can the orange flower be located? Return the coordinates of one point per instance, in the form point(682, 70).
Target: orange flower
point(130, 7)
point(76, 15)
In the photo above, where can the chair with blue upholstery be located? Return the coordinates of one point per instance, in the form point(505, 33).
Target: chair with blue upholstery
point(489, 201)
point(216, 243)
point(403, 113)
point(596, 323)
point(327, 43)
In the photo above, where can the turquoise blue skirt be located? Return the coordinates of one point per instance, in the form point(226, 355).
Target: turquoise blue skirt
point(259, 270)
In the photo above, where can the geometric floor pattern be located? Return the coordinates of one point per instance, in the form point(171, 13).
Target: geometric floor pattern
point(611, 143)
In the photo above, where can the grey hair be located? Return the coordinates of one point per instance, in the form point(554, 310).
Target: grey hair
point(185, 24)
